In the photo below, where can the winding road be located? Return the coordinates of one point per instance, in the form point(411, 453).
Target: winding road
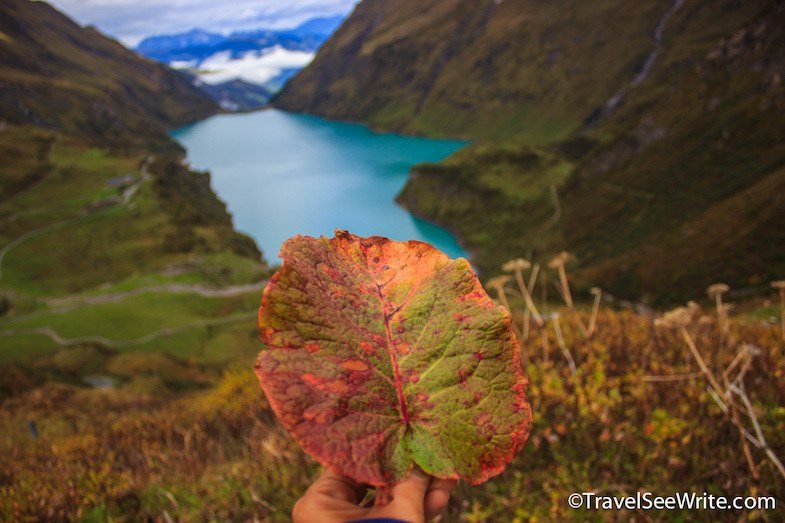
point(119, 344)
point(32, 234)
point(65, 304)
point(125, 199)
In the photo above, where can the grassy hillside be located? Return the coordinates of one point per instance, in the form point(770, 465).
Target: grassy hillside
point(475, 69)
point(128, 301)
point(635, 415)
point(91, 270)
point(58, 75)
point(119, 266)
point(647, 138)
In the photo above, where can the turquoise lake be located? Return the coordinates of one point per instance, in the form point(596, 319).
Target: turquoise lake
point(283, 174)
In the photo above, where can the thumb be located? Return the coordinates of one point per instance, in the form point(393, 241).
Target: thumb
point(408, 497)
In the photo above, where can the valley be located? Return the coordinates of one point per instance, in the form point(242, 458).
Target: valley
point(82, 256)
point(112, 249)
point(649, 193)
point(644, 137)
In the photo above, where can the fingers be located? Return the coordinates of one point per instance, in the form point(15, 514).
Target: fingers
point(447, 485)
point(413, 488)
point(408, 498)
point(416, 498)
point(338, 487)
point(437, 496)
point(435, 502)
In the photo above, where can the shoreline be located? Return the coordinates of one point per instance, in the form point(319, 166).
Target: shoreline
point(375, 131)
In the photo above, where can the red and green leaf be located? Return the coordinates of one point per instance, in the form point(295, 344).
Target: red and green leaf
point(382, 356)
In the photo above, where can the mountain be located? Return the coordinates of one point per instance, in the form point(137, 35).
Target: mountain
point(157, 46)
point(236, 95)
point(58, 75)
point(84, 126)
point(319, 27)
point(243, 69)
point(646, 138)
point(476, 69)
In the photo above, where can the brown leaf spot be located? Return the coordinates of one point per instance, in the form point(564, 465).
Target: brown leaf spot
point(354, 365)
point(318, 414)
point(325, 385)
point(483, 418)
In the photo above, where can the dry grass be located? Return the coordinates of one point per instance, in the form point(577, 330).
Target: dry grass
point(630, 408)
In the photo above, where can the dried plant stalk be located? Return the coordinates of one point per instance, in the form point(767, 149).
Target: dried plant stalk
point(530, 287)
point(546, 347)
point(558, 263)
point(716, 291)
point(597, 292)
point(701, 363)
point(743, 353)
point(529, 301)
point(563, 346)
point(739, 390)
point(780, 286)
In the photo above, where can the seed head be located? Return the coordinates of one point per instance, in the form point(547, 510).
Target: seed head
point(560, 260)
point(518, 264)
point(718, 289)
point(753, 350)
point(678, 317)
point(498, 282)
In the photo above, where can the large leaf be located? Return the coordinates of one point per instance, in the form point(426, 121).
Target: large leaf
point(384, 355)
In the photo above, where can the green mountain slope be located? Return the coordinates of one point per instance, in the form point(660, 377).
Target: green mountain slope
point(116, 260)
point(477, 69)
point(58, 75)
point(645, 138)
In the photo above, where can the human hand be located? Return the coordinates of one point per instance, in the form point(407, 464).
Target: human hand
point(334, 499)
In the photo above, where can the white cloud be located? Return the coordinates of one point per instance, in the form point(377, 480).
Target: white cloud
point(254, 66)
point(132, 20)
point(183, 64)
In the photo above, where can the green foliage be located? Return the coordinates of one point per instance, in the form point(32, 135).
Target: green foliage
point(680, 186)
point(220, 454)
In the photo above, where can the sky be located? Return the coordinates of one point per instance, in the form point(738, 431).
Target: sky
point(131, 20)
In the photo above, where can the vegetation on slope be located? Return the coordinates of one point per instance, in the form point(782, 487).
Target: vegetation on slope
point(474, 69)
point(125, 296)
point(635, 415)
point(660, 178)
point(120, 247)
point(58, 75)
point(118, 265)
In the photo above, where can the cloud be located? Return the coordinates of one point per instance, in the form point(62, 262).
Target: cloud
point(255, 66)
point(132, 20)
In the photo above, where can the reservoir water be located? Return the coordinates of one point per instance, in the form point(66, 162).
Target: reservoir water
point(284, 174)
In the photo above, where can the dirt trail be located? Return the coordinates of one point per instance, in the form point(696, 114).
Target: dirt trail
point(32, 234)
point(125, 199)
point(68, 303)
point(119, 344)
